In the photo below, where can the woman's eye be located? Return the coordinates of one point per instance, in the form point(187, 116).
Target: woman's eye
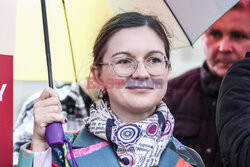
point(124, 61)
point(154, 60)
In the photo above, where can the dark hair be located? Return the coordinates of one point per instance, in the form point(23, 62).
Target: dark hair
point(243, 4)
point(128, 20)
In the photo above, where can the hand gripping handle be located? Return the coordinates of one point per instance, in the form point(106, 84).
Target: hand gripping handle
point(55, 135)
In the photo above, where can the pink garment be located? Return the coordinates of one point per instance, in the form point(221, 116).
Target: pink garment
point(87, 150)
point(43, 159)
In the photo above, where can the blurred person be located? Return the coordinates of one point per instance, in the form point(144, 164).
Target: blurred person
point(129, 125)
point(75, 106)
point(233, 115)
point(192, 96)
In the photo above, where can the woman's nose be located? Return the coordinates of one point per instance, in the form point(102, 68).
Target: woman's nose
point(141, 71)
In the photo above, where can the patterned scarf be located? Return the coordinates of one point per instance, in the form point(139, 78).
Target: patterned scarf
point(138, 144)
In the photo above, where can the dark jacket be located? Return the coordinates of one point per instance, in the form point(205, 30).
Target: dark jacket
point(233, 115)
point(192, 98)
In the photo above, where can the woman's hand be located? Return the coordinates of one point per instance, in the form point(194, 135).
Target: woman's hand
point(47, 109)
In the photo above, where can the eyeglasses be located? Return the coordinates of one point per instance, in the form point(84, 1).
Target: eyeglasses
point(125, 66)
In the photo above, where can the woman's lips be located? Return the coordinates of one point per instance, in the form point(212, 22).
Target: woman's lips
point(139, 87)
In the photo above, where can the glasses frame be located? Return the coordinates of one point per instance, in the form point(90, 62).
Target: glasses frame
point(167, 66)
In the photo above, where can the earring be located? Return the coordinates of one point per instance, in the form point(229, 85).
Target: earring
point(101, 93)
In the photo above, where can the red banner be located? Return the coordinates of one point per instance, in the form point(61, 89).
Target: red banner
point(6, 109)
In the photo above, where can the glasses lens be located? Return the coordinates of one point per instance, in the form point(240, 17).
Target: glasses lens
point(124, 66)
point(155, 64)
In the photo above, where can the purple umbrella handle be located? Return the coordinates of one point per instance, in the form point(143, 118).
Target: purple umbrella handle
point(55, 135)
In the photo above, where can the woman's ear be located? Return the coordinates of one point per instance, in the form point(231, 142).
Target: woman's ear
point(96, 72)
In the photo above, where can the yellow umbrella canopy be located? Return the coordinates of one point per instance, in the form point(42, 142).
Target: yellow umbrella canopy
point(73, 26)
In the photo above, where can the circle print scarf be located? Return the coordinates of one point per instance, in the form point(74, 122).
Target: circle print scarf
point(138, 144)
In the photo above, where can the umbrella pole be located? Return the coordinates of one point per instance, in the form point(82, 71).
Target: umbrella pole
point(46, 40)
point(54, 131)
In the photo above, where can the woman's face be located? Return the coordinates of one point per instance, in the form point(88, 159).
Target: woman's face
point(134, 98)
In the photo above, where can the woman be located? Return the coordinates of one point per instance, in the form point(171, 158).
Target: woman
point(130, 125)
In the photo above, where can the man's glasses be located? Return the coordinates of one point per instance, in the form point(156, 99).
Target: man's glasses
point(125, 66)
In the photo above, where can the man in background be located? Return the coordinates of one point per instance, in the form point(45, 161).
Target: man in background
point(192, 96)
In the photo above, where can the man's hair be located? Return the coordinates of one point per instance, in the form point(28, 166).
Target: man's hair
point(243, 4)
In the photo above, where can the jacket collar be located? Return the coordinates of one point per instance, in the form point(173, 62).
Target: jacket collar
point(85, 138)
point(170, 154)
point(210, 83)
